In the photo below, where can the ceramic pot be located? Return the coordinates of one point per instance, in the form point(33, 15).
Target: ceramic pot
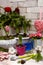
point(29, 45)
point(20, 50)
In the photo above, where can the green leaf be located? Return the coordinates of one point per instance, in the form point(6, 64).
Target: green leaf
point(20, 39)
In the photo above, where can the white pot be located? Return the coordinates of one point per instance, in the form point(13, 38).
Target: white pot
point(7, 43)
point(38, 42)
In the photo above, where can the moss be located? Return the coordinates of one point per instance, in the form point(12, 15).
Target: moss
point(3, 49)
point(6, 37)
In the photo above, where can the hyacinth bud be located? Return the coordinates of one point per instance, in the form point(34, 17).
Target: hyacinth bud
point(17, 10)
point(7, 28)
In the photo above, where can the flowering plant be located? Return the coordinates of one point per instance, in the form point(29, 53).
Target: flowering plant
point(14, 20)
point(7, 29)
point(38, 25)
point(7, 9)
point(36, 35)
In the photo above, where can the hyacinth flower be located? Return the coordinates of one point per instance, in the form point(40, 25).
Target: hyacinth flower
point(17, 10)
point(7, 29)
point(35, 35)
point(39, 25)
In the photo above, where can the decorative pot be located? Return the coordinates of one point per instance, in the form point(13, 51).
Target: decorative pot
point(29, 44)
point(38, 43)
point(8, 43)
point(20, 50)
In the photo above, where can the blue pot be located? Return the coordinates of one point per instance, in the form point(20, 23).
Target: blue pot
point(29, 44)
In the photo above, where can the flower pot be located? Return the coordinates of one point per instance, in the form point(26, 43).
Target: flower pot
point(7, 43)
point(38, 43)
point(20, 50)
point(29, 45)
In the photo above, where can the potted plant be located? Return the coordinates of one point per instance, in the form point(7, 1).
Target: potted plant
point(37, 36)
point(19, 22)
point(5, 23)
point(20, 47)
point(15, 20)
